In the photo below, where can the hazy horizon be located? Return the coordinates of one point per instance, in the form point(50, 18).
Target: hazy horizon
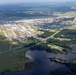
point(32, 1)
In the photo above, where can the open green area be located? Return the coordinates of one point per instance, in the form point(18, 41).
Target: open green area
point(17, 33)
point(6, 45)
point(74, 21)
point(14, 59)
point(1, 34)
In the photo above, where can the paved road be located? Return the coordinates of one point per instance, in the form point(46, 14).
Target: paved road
point(36, 44)
point(12, 49)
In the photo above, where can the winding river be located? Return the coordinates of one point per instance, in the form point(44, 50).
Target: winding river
point(44, 64)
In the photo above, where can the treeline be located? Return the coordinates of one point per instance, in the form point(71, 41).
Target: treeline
point(46, 34)
point(69, 63)
point(67, 33)
point(59, 72)
point(41, 46)
point(35, 44)
point(64, 44)
point(31, 41)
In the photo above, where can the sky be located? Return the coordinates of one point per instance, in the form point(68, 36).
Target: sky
point(29, 1)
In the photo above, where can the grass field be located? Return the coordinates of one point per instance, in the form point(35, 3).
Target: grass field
point(6, 45)
point(17, 33)
point(14, 61)
point(1, 33)
point(74, 21)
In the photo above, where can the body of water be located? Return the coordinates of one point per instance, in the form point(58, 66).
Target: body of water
point(44, 64)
